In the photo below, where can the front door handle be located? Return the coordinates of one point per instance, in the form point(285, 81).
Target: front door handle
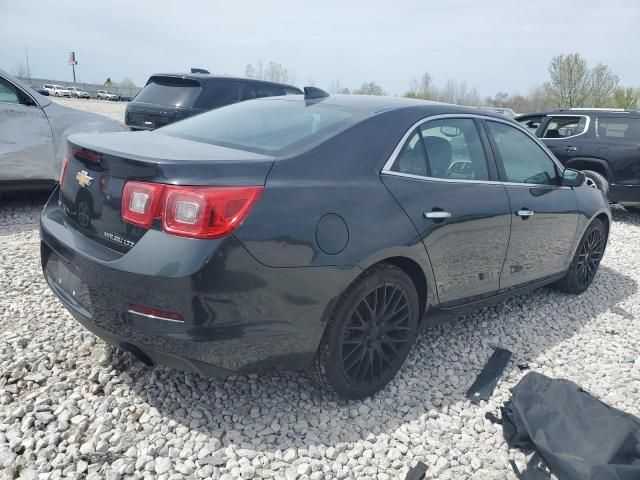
point(571, 149)
point(525, 212)
point(437, 215)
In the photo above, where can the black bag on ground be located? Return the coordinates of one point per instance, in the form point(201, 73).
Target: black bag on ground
point(578, 436)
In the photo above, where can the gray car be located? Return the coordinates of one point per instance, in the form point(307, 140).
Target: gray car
point(33, 134)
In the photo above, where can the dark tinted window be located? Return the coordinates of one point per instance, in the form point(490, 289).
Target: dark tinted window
point(564, 126)
point(411, 158)
point(291, 91)
point(260, 90)
point(170, 92)
point(454, 150)
point(523, 159)
point(217, 93)
point(627, 128)
point(264, 126)
point(8, 93)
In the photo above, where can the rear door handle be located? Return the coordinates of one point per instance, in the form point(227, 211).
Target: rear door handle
point(437, 215)
point(525, 212)
point(571, 149)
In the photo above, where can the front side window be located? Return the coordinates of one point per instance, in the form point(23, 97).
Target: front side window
point(411, 159)
point(8, 93)
point(454, 150)
point(531, 123)
point(616, 128)
point(564, 126)
point(523, 159)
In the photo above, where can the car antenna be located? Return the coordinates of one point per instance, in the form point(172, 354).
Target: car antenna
point(312, 93)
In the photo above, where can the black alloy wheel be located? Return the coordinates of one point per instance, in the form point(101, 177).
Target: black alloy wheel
point(369, 334)
point(589, 257)
point(586, 260)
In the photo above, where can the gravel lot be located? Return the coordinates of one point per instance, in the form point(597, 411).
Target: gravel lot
point(107, 108)
point(70, 407)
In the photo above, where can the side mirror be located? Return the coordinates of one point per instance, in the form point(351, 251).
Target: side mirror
point(573, 178)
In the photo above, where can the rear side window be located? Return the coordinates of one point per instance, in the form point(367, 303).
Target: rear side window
point(170, 92)
point(291, 91)
point(264, 126)
point(260, 90)
point(564, 126)
point(523, 159)
point(411, 159)
point(217, 93)
point(454, 150)
point(627, 128)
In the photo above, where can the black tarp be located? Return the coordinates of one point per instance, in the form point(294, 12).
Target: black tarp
point(576, 435)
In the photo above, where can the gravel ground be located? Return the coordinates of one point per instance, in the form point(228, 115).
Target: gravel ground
point(71, 407)
point(107, 108)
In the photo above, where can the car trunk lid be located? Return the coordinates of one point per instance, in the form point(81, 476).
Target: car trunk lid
point(98, 166)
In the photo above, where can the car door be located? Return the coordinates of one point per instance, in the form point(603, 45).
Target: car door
point(441, 177)
point(26, 141)
point(544, 213)
point(565, 135)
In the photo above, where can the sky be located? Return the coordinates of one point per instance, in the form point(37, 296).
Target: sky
point(497, 45)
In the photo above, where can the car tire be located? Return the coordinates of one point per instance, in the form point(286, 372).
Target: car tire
point(596, 180)
point(369, 334)
point(586, 260)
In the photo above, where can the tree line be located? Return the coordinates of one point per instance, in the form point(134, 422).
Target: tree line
point(571, 83)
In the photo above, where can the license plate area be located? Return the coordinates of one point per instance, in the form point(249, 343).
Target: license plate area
point(63, 279)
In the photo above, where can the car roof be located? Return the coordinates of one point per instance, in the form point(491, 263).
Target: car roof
point(368, 105)
point(204, 77)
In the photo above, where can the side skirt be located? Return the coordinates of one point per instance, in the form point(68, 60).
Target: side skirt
point(438, 315)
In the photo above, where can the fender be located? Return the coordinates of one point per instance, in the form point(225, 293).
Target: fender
point(579, 162)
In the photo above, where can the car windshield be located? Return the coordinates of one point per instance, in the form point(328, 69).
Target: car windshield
point(272, 126)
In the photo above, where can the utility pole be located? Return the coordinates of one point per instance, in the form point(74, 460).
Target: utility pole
point(73, 62)
point(26, 54)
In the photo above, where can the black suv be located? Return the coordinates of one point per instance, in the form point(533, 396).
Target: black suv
point(168, 97)
point(605, 141)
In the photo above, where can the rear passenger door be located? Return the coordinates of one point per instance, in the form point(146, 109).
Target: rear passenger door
point(564, 135)
point(441, 177)
point(544, 213)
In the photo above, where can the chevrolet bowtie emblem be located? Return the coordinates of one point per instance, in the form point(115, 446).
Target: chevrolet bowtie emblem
point(83, 178)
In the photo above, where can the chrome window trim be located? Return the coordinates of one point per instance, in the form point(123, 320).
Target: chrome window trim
point(586, 127)
point(386, 169)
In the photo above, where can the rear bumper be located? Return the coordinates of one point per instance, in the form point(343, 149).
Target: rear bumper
point(625, 194)
point(239, 315)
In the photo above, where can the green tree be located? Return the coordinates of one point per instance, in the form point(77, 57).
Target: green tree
point(602, 83)
point(626, 98)
point(421, 88)
point(569, 85)
point(369, 88)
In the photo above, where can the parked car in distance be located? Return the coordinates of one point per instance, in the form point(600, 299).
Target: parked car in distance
point(49, 88)
point(41, 90)
point(78, 92)
point(124, 97)
point(106, 95)
point(33, 135)
point(167, 98)
point(311, 232)
point(60, 91)
point(604, 141)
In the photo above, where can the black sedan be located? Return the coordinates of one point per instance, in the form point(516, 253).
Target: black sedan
point(311, 232)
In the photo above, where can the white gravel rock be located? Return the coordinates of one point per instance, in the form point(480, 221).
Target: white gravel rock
point(70, 406)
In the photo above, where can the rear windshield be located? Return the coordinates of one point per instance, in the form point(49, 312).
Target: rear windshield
point(271, 126)
point(627, 128)
point(170, 93)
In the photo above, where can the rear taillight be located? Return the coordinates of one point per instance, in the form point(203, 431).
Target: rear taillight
point(197, 212)
point(63, 169)
point(140, 202)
